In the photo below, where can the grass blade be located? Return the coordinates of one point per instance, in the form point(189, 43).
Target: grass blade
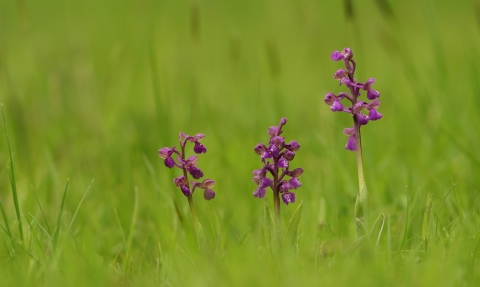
point(59, 219)
point(292, 231)
point(41, 209)
point(7, 225)
point(79, 204)
point(128, 242)
point(12, 180)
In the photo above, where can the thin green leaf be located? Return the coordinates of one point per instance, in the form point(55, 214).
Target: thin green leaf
point(79, 204)
point(12, 180)
point(131, 232)
point(56, 232)
point(7, 225)
point(41, 209)
point(292, 231)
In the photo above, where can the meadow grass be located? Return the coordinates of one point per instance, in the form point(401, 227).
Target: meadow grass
point(92, 89)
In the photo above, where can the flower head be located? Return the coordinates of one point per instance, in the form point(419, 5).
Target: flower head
point(276, 159)
point(346, 76)
point(188, 165)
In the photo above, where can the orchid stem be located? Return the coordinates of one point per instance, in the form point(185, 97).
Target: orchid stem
point(361, 203)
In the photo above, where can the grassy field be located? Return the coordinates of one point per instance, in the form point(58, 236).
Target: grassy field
point(91, 90)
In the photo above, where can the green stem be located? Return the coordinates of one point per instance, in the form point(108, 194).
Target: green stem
point(193, 213)
point(361, 204)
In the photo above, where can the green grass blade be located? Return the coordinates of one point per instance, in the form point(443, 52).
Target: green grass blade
point(292, 231)
point(41, 209)
point(380, 229)
point(269, 224)
point(426, 221)
point(131, 232)
point(41, 227)
point(121, 229)
point(79, 204)
point(7, 225)
point(12, 180)
point(59, 219)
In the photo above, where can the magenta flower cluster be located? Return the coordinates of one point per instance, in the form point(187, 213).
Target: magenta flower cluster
point(346, 76)
point(276, 160)
point(189, 166)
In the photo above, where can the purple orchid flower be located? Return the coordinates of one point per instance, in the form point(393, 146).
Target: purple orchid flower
point(276, 158)
point(188, 165)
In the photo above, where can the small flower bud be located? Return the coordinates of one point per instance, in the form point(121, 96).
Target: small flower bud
point(272, 130)
point(296, 172)
point(260, 148)
point(336, 56)
point(293, 146)
point(289, 155)
point(347, 54)
point(185, 190)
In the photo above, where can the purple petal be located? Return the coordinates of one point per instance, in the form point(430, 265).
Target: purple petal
point(336, 56)
point(169, 162)
point(294, 183)
point(266, 155)
point(288, 197)
point(374, 115)
point(278, 141)
point(349, 131)
point(330, 98)
point(208, 194)
point(351, 144)
point(362, 119)
point(282, 163)
point(265, 182)
point(372, 94)
point(195, 172)
point(164, 152)
point(340, 73)
point(259, 192)
point(185, 190)
point(337, 106)
point(368, 84)
point(179, 181)
point(207, 183)
point(199, 148)
point(197, 137)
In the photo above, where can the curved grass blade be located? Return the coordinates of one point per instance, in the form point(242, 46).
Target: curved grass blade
point(292, 231)
point(56, 232)
point(12, 180)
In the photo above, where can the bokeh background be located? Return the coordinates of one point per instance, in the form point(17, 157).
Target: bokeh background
point(92, 89)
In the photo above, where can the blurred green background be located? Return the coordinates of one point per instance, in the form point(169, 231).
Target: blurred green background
point(92, 90)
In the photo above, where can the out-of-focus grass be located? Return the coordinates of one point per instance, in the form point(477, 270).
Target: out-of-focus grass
point(93, 89)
